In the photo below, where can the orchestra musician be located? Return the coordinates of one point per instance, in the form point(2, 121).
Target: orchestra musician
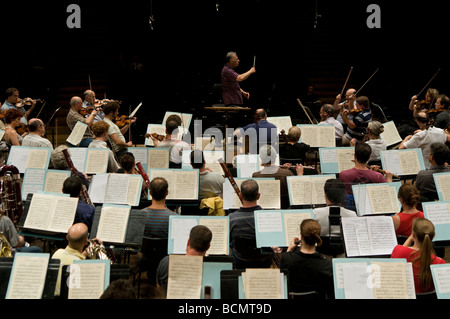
point(428, 104)
point(326, 118)
point(441, 112)
point(89, 102)
point(12, 120)
point(74, 116)
point(356, 126)
point(12, 102)
point(346, 105)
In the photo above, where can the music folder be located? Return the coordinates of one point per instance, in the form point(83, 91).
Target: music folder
point(134, 229)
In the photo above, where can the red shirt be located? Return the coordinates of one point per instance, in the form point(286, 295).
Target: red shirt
point(406, 220)
point(231, 91)
point(405, 252)
point(355, 176)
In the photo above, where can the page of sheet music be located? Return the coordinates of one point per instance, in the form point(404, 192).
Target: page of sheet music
point(310, 135)
point(88, 280)
point(112, 226)
point(18, 156)
point(78, 157)
point(381, 199)
point(247, 164)
point(281, 122)
point(382, 234)
point(38, 158)
point(268, 222)
point(389, 280)
point(77, 133)
point(33, 181)
point(117, 189)
point(262, 283)
point(179, 233)
point(317, 189)
point(362, 200)
point(328, 156)
point(326, 135)
point(391, 161)
point(292, 223)
point(158, 158)
point(390, 134)
point(186, 184)
point(443, 185)
point(357, 281)
point(270, 194)
point(409, 162)
point(28, 275)
point(96, 161)
point(300, 190)
point(54, 180)
point(345, 159)
point(219, 229)
point(441, 276)
point(134, 190)
point(185, 277)
point(97, 188)
point(356, 236)
point(63, 213)
point(438, 213)
point(140, 154)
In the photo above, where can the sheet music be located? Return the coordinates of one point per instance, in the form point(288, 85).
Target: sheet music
point(96, 161)
point(268, 222)
point(77, 133)
point(140, 154)
point(88, 280)
point(269, 190)
point(185, 118)
point(97, 187)
point(307, 190)
point(180, 229)
point(318, 135)
point(219, 228)
point(345, 159)
point(262, 283)
point(38, 157)
point(28, 273)
point(390, 134)
point(78, 157)
point(441, 277)
point(158, 158)
point(247, 164)
point(185, 277)
point(112, 226)
point(51, 212)
point(357, 281)
point(134, 190)
point(292, 223)
point(33, 181)
point(54, 180)
point(389, 280)
point(409, 162)
point(18, 156)
point(281, 122)
point(442, 182)
point(383, 199)
point(438, 213)
point(183, 184)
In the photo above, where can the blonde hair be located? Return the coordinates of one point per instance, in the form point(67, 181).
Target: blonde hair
point(375, 127)
point(99, 128)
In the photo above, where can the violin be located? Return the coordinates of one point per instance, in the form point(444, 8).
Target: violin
point(27, 101)
point(123, 120)
point(22, 128)
point(88, 110)
point(156, 136)
point(355, 111)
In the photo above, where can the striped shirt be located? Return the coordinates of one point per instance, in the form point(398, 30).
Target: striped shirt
point(157, 222)
point(361, 121)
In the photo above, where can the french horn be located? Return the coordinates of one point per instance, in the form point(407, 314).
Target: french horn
point(5, 247)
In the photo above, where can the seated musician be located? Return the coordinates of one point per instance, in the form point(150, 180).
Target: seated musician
point(265, 132)
point(127, 164)
point(430, 99)
point(327, 118)
point(12, 120)
point(356, 127)
point(172, 142)
point(74, 116)
point(373, 132)
point(15, 241)
point(210, 183)
point(442, 116)
point(13, 102)
point(100, 131)
point(36, 136)
point(361, 173)
point(89, 102)
point(292, 151)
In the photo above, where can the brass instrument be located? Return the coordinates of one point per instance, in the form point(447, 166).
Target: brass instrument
point(5, 247)
point(10, 190)
point(95, 250)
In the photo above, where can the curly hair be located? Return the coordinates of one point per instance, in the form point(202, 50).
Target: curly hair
point(11, 115)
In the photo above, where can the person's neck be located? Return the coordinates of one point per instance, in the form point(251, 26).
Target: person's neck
point(359, 165)
point(409, 210)
point(193, 252)
point(307, 249)
point(80, 249)
point(246, 204)
point(158, 204)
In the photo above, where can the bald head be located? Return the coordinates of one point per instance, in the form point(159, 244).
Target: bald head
point(89, 96)
point(36, 126)
point(77, 236)
point(76, 102)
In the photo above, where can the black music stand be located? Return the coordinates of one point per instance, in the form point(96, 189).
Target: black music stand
point(6, 264)
point(117, 271)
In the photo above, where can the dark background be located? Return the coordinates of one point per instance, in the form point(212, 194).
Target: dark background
point(184, 53)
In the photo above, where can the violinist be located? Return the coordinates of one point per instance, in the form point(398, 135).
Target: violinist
point(327, 118)
point(427, 104)
point(74, 116)
point(356, 126)
point(12, 102)
point(441, 112)
point(36, 136)
point(12, 120)
point(116, 134)
point(89, 103)
point(337, 106)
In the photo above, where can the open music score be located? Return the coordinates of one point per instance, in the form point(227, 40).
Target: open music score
point(373, 278)
point(115, 189)
point(183, 183)
point(438, 212)
point(151, 157)
point(24, 157)
point(307, 189)
point(186, 118)
point(90, 160)
point(180, 226)
point(368, 236)
point(334, 160)
point(52, 213)
point(185, 277)
point(390, 134)
point(403, 162)
point(77, 133)
point(442, 182)
point(211, 159)
point(269, 188)
point(88, 278)
point(263, 284)
point(277, 228)
point(281, 122)
point(377, 198)
point(441, 280)
point(318, 135)
point(47, 180)
point(112, 227)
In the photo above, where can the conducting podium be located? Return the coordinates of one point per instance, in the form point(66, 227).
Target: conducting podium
point(227, 110)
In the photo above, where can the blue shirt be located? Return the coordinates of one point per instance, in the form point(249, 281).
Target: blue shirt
point(264, 131)
point(361, 121)
point(85, 214)
point(7, 106)
point(157, 222)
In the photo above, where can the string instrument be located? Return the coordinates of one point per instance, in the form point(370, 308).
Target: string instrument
point(84, 196)
point(366, 82)
point(156, 136)
point(123, 120)
point(11, 199)
point(88, 110)
point(345, 84)
point(22, 128)
point(231, 179)
point(428, 83)
point(26, 101)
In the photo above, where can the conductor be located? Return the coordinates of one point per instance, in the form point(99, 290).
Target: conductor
point(232, 94)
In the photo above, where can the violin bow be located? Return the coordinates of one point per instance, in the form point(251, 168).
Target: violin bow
point(345, 84)
point(304, 110)
point(429, 82)
point(42, 107)
point(367, 81)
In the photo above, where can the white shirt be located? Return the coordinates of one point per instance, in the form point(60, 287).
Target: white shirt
point(113, 166)
point(424, 139)
point(113, 128)
point(321, 216)
point(339, 129)
point(34, 140)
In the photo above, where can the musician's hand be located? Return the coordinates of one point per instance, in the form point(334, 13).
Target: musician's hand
point(252, 70)
point(132, 120)
point(353, 142)
point(277, 250)
point(208, 169)
point(338, 97)
point(130, 144)
point(409, 136)
point(414, 97)
point(286, 165)
point(374, 167)
point(294, 243)
point(299, 169)
point(246, 95)
point(388, 175)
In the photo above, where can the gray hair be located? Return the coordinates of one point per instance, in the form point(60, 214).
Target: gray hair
point(58, 159)
point(229, 56)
